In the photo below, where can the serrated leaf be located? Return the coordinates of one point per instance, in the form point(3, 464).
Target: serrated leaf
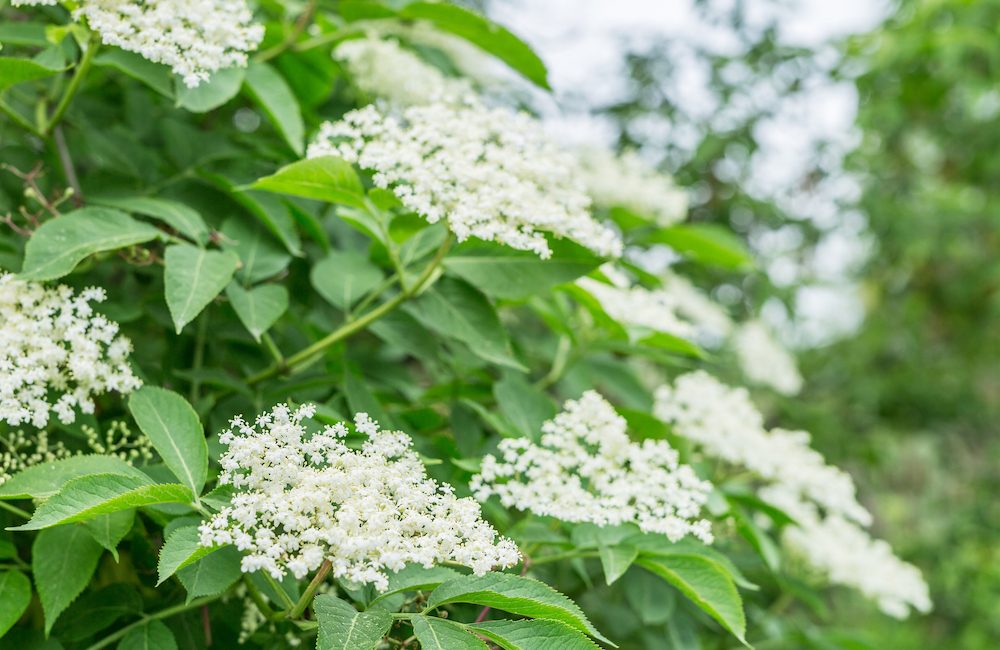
point(182, 218)
point(533, 635)
point(344, 277)
point(615, 560)
point(15, 70)
point(15, 596)
point(514, 594)
point(181, 549)
point(100, 494)
point(212, 574)
point(222, 86)
point(62, 563)
point(415, 577)
point(658, 545)
point(109, 530)
point(438, 634)
point(259, 307)
point(341, 627)
point(269, 89)
point(192, 278)
point(45, 479)
point(155, 75)
point(175, 430)
point(326, 178)
point(153, 635)
point(59, 244)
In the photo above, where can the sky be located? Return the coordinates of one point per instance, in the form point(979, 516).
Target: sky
point(584, 43)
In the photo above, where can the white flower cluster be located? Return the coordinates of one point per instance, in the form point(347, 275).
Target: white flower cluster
point(488, 172)
point(655, 310)
point(304, 498)
point(586, 469)
point(194, 37)
point(627, 181)
point(765, 361)
point(382, 68)
point(725, 423)
point(711, 322)
point(56, 353)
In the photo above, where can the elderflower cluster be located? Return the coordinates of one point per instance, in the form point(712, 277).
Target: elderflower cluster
point(586, 469)
point(194, 37)
point(384, 69)
point(765, 361)
point(627, 181)
point(709, 319)
point(489, 173)
point(56, 354)
point(301, 499)
point(635, 306)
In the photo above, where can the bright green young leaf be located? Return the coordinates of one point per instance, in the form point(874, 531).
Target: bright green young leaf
point(180, 217)
point(212, 574)
point(175, 431)
point(660, 546)
point(15, 70)
point(60, 244)
point(100, 494)
point(535, 634)
point(327, 178)
point(438, 634)
point(152, 635)
point(62, 562)
point(514, 594)
point(155, 75)
point(523, 405)
point(45, 479)
point(671, 343)
point(415, 577)
point(211, 94)
point(707, 584)
point(344, 277)
point(15, 596)
point(706, 243)
point(615, 560)
point(259, 307)
point(341, 627)
point(270, 91)
point(193, 277)
point(180, 549)
point(108, 530)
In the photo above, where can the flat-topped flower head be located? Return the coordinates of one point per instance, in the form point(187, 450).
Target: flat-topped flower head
point(627, 181)
point(301, 499)
point(765, 361)
point(586, 469)
point(56, 353)
point(488, 173)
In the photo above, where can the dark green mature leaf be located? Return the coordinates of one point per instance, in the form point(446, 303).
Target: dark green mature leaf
point(706, 243)
point(97, 610)
point(15, 70)
point(23, 33)
point(193, 277)
point(180, 217)
point(483, 33)
point(155, 75)
point(175, 431)
point(62, 562)
point(707, 584)
point(514, 594)
point(615, 560)
point(153, 635)
point(212, 574)
point(327, 178)
point(108, 530)
point(415, 577)
point(344, 277)
point(504, 272)
point(651, 598)
point(45, 479)
point(269, 89)
point(260, 254)
point(211, 94)
point(181, 549)
point(456, 309)
point(15, 596)
point(523, 405)
point(270, 211)
point(258, 308)
point(100, 494)
point(60, 244)
point(535, 634)
point(438, 634)
point(341, 627)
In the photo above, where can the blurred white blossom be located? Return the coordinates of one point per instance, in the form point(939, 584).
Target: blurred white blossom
point(765, 361)
point(710, 320)
point(627, 181)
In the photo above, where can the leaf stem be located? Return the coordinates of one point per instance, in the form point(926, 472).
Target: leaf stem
point(300, 26)
point(272, 348)
point(258, 599)
point(163, 613)
point(15, 510)
point(93, 44)
point(310, 591)
point(286, 600)
point(18, 119)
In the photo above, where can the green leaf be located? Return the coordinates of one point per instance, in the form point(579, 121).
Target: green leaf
point(415, 577)
point(438, 634)
point(212, 574)
point(193, 277)
point(660, 546)
point(523, 405)
point(514, 594)
point(533, 635)
point(258, 308)
point(99, 494)
point(156, 76)
point(62, 563)
point(650, 598)
point(671, 343)
point(153, 635)
point(269, 89)
point(180, 217)
point(45, 479)
point(15, 70)
point(211, 94)
point(327, 178)
point(706, 243)
point(707, 584)
point(270, 211)
point(615, 560)
point(456, 309)
point(483, 33)
point(97, 610)
point(504, 272)
point(180, 549)
point(23, 33)
point(108, 530)
point(60, 244)
point(15, 596)
point(344, 277)
point(259, 253)
point(175, 431)
point(341, 627)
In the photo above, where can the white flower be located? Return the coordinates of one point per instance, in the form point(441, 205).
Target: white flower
point(304, 498)
point(637, 307)
point(627, 181)
point(56, 354)
point(710, 320)
point(194, 37)
point(489, 173)
point(764, 361)
point(586, 469)
point(381, 67)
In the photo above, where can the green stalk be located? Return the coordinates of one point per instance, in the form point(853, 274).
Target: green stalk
point(93, 44)
point(307, 595)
